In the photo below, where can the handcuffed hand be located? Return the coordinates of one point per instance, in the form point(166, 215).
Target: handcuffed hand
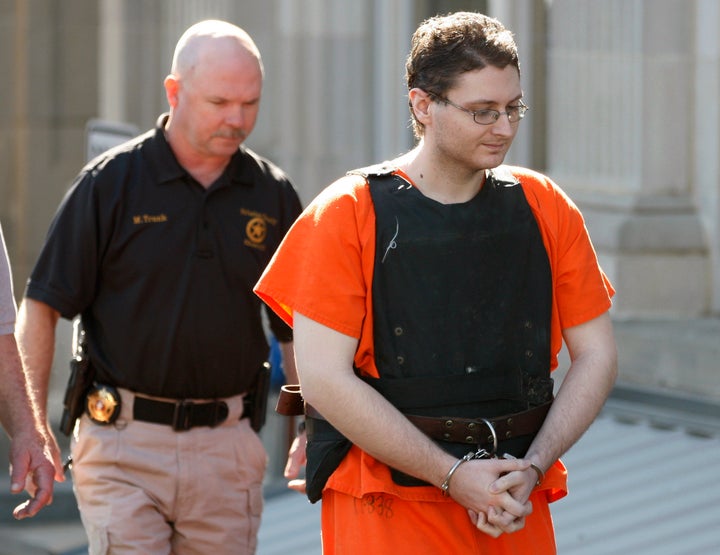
point(495, 492)
point(519, 484)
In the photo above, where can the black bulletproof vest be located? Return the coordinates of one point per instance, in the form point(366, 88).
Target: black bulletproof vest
point(461, 300)
point(461, 309)
point(461, 304)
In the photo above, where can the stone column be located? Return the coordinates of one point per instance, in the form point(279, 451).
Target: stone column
point(707, 132)
point(527, 21)
point(342, 103)
point(49, 90)
point(389, 46)
point(620, 138)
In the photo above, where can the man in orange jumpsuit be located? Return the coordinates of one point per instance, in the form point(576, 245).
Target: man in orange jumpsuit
point(430, 297)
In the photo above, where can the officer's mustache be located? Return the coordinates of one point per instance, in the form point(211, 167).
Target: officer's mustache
point(230, 134)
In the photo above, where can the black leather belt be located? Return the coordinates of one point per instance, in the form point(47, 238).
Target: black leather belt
point(181, 415)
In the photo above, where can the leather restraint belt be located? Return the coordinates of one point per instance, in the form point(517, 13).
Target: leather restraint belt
point(480, 431)
point(181, 415)
point(473, 431)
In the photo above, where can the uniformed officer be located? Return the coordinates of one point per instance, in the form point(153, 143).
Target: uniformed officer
point(157, 246)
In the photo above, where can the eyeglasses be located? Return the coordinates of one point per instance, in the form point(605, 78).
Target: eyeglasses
point(488, 117)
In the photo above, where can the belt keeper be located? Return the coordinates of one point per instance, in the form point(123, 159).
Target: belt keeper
point(445, 486)
point(540, 473)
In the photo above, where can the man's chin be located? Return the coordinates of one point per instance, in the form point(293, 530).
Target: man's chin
point(490, 162)
point(226, 146)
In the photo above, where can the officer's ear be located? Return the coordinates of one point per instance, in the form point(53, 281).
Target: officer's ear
point(172, 87)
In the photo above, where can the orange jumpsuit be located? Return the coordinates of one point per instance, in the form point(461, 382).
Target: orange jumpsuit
point(324, 270)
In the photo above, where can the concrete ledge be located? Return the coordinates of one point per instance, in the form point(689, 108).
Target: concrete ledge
point(665, 410)
point(677, 357)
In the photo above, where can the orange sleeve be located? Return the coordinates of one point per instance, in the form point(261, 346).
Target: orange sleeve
point(321, 268)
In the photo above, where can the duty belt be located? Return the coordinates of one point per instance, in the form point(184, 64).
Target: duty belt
point(181, 415)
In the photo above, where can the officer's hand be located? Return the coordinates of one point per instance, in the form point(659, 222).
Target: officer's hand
point(296, 462)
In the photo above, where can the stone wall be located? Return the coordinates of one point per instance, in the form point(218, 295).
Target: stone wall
point(621, 107)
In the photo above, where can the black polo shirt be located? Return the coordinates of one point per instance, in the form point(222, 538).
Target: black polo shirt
point(162, 270)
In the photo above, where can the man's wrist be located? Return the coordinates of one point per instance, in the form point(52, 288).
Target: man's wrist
point(445, 486)
point(539, 472)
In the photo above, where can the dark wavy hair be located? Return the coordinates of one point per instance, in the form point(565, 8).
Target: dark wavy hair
point(444, 47)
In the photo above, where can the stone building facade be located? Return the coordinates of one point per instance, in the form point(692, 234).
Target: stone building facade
point(624, 116)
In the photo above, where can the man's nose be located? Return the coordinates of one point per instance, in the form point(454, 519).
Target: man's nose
point(502, 125)
point(235, 116)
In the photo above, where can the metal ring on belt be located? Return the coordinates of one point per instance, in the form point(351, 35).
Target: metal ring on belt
point(493, 434)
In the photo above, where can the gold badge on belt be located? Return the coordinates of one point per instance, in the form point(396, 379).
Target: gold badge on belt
point(103, 404)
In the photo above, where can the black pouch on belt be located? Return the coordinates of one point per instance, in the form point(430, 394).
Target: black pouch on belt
point(255, 402)
point(80, 380)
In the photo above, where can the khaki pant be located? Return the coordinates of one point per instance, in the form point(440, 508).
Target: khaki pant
point(143, 488)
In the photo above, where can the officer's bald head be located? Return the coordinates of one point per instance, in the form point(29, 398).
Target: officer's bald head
point(211, 39)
